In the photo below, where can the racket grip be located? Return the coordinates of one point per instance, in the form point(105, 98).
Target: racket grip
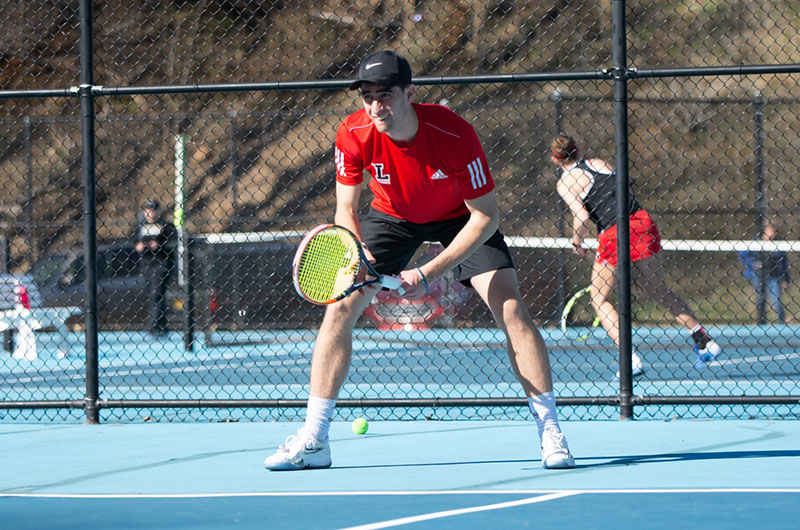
point(393, 283)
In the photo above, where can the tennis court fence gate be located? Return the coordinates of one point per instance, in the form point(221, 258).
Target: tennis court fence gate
point(244, 168)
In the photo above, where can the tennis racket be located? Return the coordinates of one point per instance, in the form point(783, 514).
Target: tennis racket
point(577, 312)
point(330, 264)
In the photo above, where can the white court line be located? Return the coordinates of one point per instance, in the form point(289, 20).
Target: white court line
point(386, 493)
point(756, 359)
point(461, 511)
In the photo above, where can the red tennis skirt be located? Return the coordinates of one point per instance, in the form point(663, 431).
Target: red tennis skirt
point(645, 240)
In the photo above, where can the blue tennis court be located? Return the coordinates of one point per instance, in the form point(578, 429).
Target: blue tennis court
point(467, 468)
point(434, 474)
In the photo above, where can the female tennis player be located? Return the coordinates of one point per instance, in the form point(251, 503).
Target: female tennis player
point(588, 186)
point(430, 182)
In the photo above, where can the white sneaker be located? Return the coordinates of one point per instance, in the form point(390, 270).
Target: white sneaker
point(300, 451)
point(555, 451)
point(637, 366)
point(707, 354)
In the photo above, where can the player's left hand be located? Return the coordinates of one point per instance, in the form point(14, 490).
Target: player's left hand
point(412, 284)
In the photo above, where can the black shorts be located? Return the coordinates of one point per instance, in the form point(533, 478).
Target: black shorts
point(393, 242)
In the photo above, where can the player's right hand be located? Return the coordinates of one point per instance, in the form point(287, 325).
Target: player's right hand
point(580, 251)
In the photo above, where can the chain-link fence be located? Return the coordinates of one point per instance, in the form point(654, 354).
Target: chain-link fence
point(224, 114)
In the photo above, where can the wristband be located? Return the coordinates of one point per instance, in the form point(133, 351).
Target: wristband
point(576, 245)
point(424, 280)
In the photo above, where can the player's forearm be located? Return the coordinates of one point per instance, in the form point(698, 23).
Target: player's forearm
point(478, 229)
point(346, 212)
point(349, 220)
point(580, 227)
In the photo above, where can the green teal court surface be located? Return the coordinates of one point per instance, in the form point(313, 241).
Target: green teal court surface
point(416, 474)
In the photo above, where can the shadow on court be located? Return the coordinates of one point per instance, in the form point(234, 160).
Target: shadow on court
point(607, 460)
point(683, 457)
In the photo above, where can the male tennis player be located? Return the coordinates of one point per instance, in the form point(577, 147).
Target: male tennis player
point(588, 186)
point(430, 182)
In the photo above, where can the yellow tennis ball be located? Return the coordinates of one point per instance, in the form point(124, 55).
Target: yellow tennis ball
point(360, 426)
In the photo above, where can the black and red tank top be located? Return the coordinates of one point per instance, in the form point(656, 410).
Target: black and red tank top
point(601, 199)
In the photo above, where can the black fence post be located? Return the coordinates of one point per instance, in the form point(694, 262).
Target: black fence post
point(561, 292)
point(29, 198)
point(5, 267)
point(188, 295)
point(761, 200)
point(89, 212)
point(235, 170)
point(623, 209)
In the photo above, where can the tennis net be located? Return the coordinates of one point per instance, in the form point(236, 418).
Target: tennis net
point(244, 282)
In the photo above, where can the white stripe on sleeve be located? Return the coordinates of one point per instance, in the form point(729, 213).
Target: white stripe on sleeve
point(339, 157)
point(477, 175)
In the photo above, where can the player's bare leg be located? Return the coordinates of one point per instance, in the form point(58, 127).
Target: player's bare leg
point(529, 360)
point(333, 348)
point(604, 281)
point(651, 272)
point(309, 448)
point(526, 349)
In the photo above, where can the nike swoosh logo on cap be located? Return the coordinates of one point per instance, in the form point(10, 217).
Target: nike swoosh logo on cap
point(371, 65)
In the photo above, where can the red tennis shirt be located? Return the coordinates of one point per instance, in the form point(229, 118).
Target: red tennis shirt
point(423, 181)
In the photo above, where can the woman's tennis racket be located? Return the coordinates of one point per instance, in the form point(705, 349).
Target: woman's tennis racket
point(578, 312)
point(330, 264)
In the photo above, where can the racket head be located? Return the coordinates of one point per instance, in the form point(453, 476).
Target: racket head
point(578, 319)
point(327, 265)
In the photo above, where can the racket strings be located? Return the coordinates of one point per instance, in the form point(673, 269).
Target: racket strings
point(328, 265)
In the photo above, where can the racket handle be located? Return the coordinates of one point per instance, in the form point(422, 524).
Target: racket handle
point(393, 283)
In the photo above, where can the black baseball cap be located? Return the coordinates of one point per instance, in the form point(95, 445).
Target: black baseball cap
point(150, 204)
point(384, 68)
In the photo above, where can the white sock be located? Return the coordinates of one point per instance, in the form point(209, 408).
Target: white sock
point(634, 357)
point(319, 415)
point(544, 412)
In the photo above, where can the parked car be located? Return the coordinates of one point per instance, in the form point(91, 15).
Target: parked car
point(249, 286)
point(122, 289)
point(237, 286)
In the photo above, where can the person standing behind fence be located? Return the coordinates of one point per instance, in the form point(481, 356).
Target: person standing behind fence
point(155, 242)
point(430, 182)
point(588, 186)
point(768, 268)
